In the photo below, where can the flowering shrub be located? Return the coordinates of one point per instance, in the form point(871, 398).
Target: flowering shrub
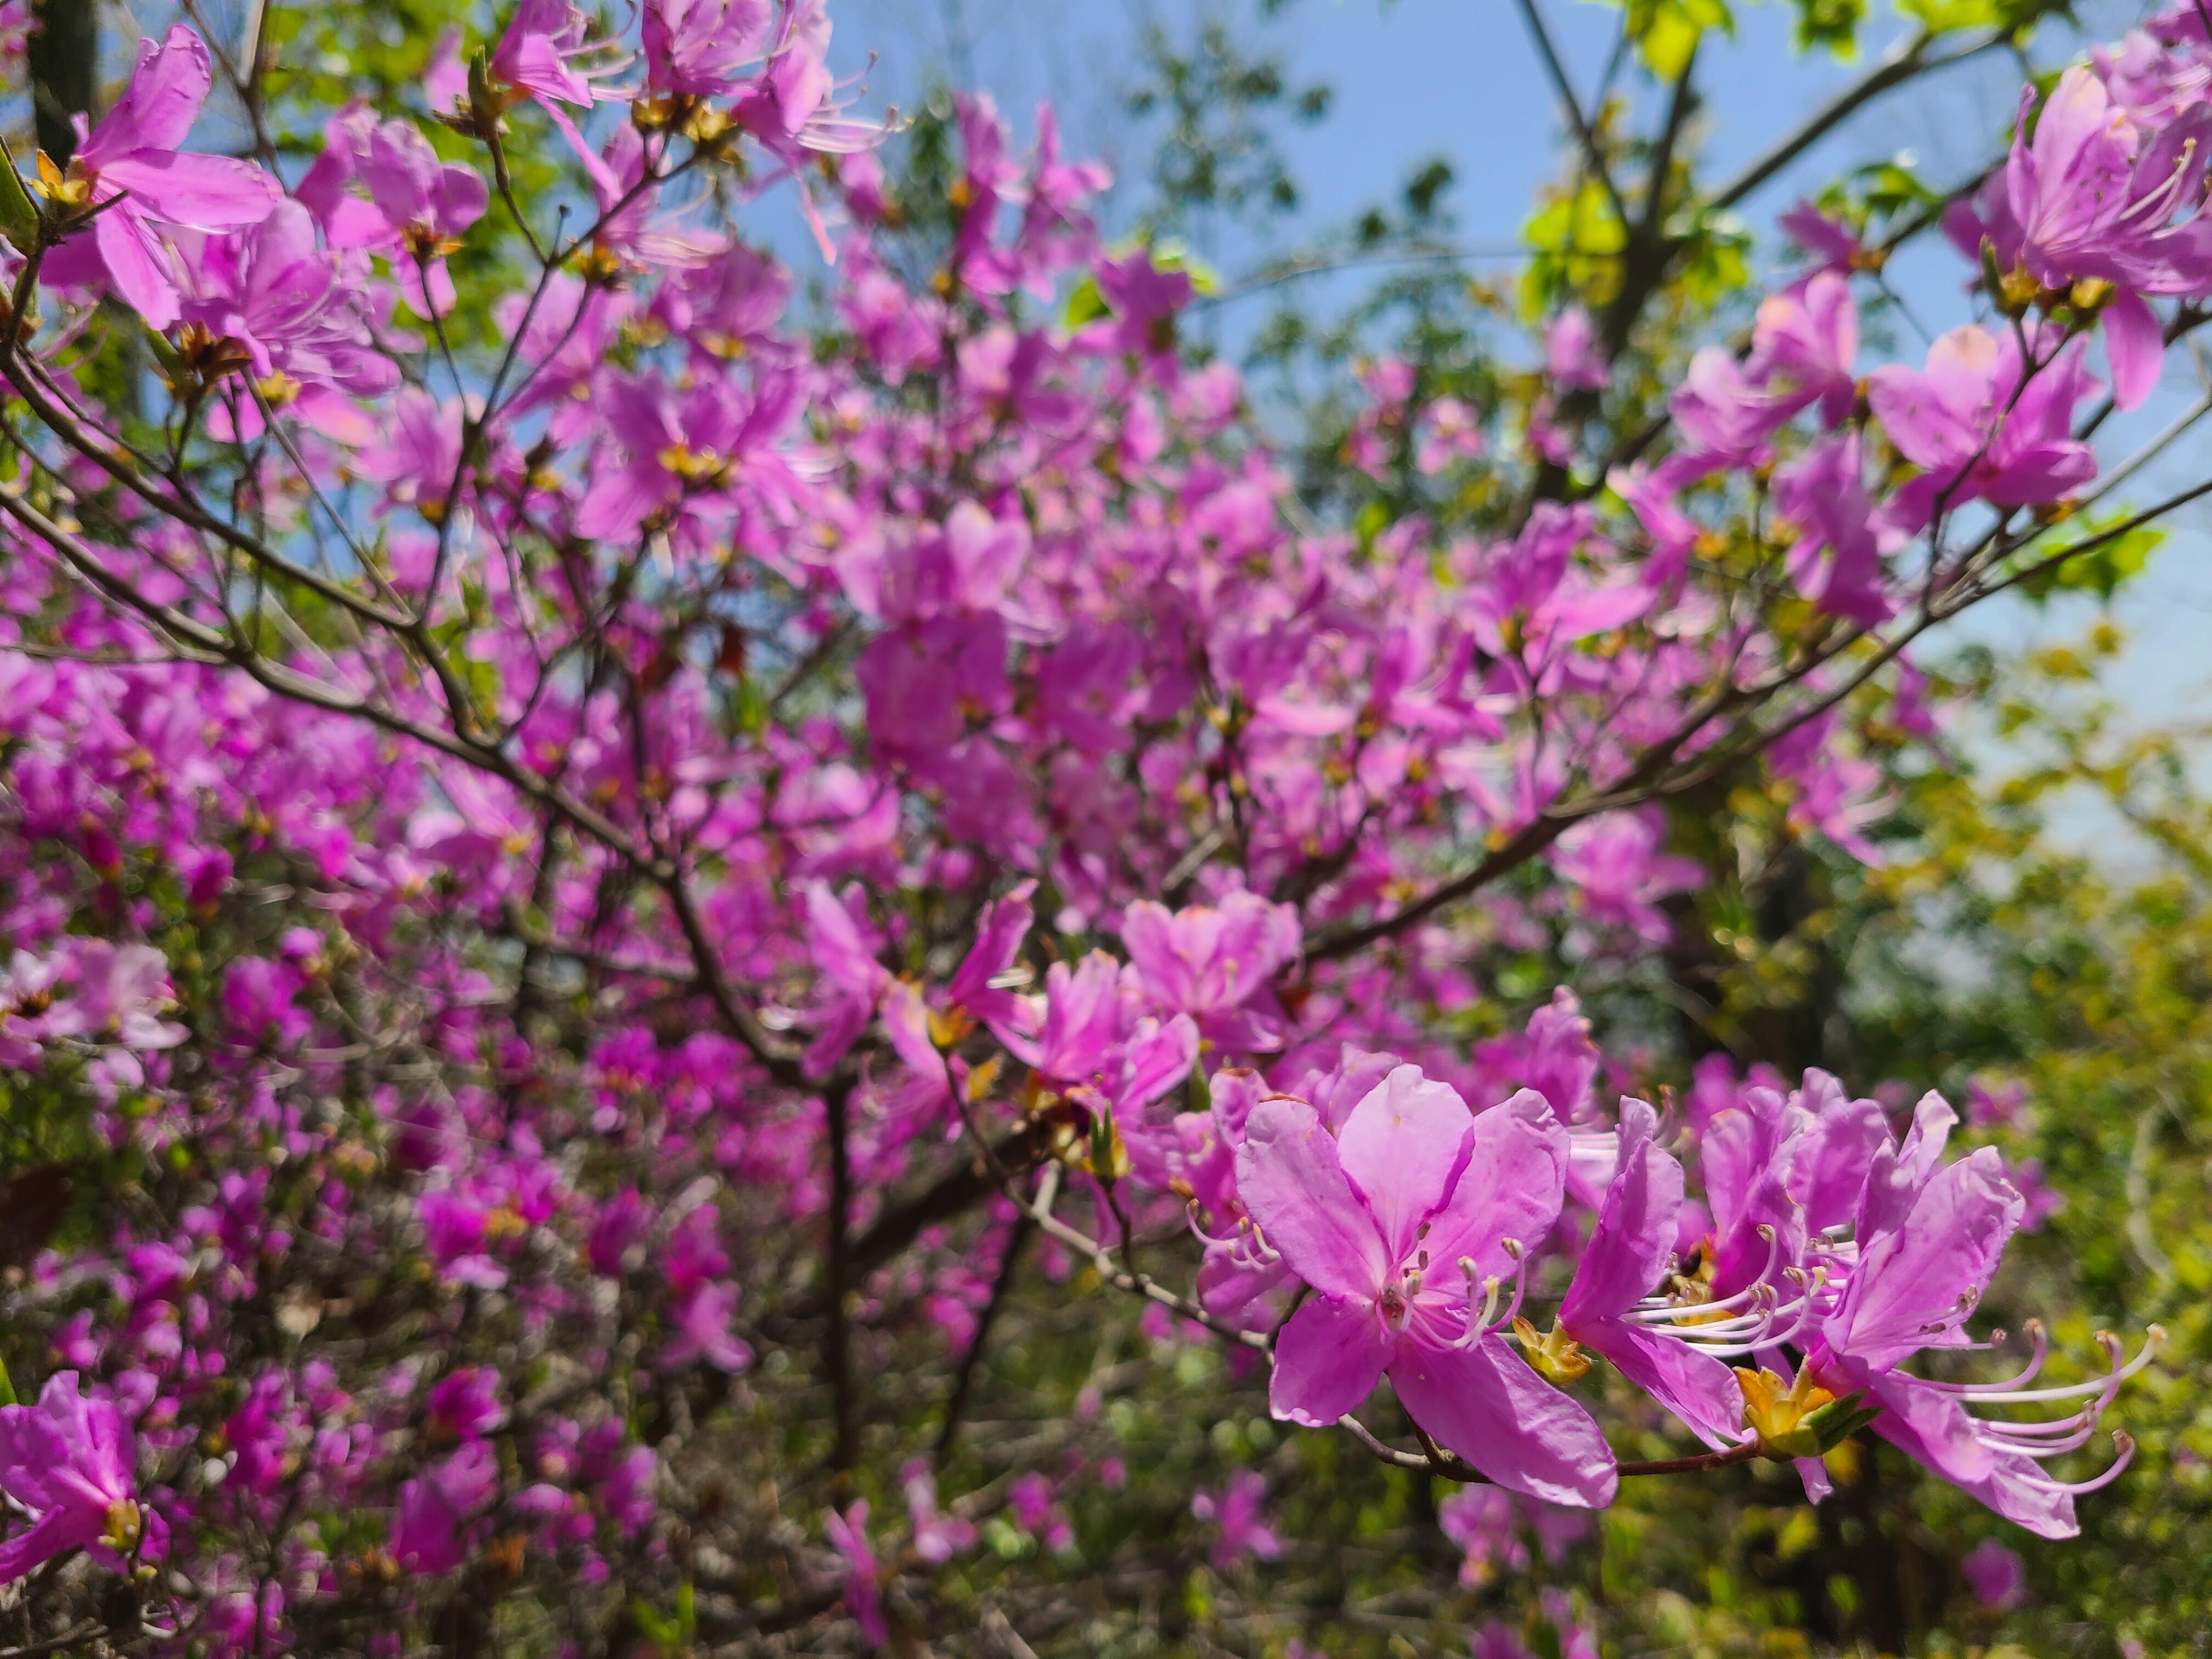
point(589, 860)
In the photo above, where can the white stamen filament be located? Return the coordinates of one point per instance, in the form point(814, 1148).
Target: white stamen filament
point(1996, 1396)
point(2126, 1446)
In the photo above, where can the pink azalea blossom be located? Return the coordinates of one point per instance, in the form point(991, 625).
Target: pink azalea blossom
point(1928, 1236)
point(1995, 1575)
point(864, 1596)
point(1239, 1528)
point(134, 154)
point(1405, 1224)
point(1969, 419)
point(67, 1462)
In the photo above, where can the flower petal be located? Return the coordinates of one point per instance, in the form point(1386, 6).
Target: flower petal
point(1483, 1403)
point(206, 192)
point(1289, 1177)
point(1327, 1360)
point(1515, 1181)
point(1404, 1147)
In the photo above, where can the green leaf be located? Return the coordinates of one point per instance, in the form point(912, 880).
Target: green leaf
point(1667, 31)
point(751, 707)
point(1833, 24)
point(2101, 570)
point(19, 214)
point(1086, 305)
point(7, 1387)
point(667, 1635)
point(165, 353)
point(1839, 1421)
point(1944, 16)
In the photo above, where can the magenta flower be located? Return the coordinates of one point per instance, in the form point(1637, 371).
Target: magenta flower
point(67, 1462)
point(259, 998)
point(1406, 1225)
point(260, 1432)
point(1726, 419)
point(1618, 872)
point(621, 1223)
point(701, 1322)
point(1216, 963)
point(134, 154)
point(1806, 338)
point(2091, 200)
point(1144, 299)
point(1571, 357)
point(417, 209)
point(1827, 240)
point(1628, 1255)
point(1980, 433)
point(697, 47)
point(854, 984)
point(1995, 1575)
point(546, 52)
point(1836, 558)
point(1240, 1528)
point(1486, 1523)
point(1495, 1640)
point(937, 1536)
point(465, 1405)
point(429, 1523)
point(272, 291)
point(681, 441)
point(2086, 196)
point(864, 1591)
point(1928, 1238)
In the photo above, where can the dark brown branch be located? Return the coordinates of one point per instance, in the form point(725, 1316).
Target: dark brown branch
point(837, 1337)
point(953, 1193)
point(971, 1363)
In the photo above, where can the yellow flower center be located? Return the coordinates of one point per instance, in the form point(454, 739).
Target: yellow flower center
point(1556, 1357)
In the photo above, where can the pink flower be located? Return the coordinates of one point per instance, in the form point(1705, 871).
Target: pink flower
point(417, 206)
point(1216, 963)
point(1980, 433)
point(134, 154)
point(1406, 1225)
point(2088, 196)
point(1928, 1237)
point(1570, 356)
point(864, 1592)
point(274, 292)
point(428, 1523)
point(545, 53)
point(1629, 1253)
point(701, 1323)
point(1995, 1575)
point(1827, 240)
point(1618, 872)
point(937, 1536)
point(1804, 340)
point(1240, 1528)
point(67, 1462)
point(697, 47)
point(1836, 559)
point(678, 441)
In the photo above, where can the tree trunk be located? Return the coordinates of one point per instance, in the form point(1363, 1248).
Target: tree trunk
point(64, 61)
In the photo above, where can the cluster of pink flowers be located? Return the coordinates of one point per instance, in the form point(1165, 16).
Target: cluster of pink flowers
point(706, 676)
